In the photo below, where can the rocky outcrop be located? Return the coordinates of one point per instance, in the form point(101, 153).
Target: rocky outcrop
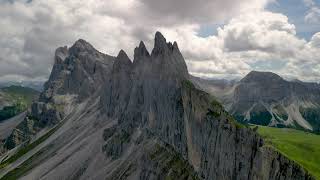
point(77, 74)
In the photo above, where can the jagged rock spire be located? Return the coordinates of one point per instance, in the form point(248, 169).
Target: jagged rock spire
point(160, 39)
point(81, 46)
point(175, 46)
point(122, 61)
point(160, 44)
point(141, 51)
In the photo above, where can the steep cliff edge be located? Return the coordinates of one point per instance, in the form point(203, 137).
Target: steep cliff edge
point(159, 97)
point(146, 120)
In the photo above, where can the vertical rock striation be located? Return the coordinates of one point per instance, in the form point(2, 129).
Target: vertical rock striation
point(77, 74)
point(154, 93)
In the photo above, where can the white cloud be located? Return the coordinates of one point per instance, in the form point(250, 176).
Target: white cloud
point(309, 3)
point(315, 40)
point(269, 39)
point(313, 14)
point(201, 10)
point(258, 40)
point(30, 32)
point(258, 31)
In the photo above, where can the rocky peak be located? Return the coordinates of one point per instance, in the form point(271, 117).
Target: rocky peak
point(160, 45)
point(262, 77)
point(122, 61)
point(140, 52)
point(77, 70)
point(168, 57)
point(81, 46)
point(175, 46)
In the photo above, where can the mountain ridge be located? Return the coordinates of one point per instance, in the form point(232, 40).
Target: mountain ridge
point(141, 120)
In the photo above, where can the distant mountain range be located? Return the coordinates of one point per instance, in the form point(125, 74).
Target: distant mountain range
point(36, 85)
point(265, 98)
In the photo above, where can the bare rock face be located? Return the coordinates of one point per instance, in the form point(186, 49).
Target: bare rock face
point(79, 70)
point(261, 86)
point(77, 73)
point(154, 94)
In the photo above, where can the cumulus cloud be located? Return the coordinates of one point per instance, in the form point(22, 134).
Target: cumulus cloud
point(258, 31)
point(30, 33)
point(252, 37)
point(201, 10)
point(313, 14)
point(268, 39)
point(259, 40)
point(32, 30)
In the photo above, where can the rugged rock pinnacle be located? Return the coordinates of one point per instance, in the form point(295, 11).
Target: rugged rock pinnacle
point(160, 45)
point(122, 62)
point(81, 46)
point(141, 51)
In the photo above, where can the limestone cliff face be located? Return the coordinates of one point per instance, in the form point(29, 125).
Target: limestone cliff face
point(78, 73)
point(79, 70)
point(226, 150)
point(154, 93)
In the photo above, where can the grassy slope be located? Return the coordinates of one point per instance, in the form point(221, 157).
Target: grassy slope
point(20, 98)
point(19, 94)
point(27, 165)
point(300, 146)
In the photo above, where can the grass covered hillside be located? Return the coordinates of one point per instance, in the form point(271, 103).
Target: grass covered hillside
point(14, 100)
point(299, 146)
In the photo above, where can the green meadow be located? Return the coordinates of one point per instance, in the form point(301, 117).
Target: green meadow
point(299, 146)
point(20, 97)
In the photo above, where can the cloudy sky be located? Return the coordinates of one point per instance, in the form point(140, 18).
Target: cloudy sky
point(218, 38)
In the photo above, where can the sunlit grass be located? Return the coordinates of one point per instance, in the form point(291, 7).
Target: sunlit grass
point(300, 146)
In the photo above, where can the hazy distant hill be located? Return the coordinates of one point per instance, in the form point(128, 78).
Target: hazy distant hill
point(36, 85)
point(265, 98)
point(14, 100)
